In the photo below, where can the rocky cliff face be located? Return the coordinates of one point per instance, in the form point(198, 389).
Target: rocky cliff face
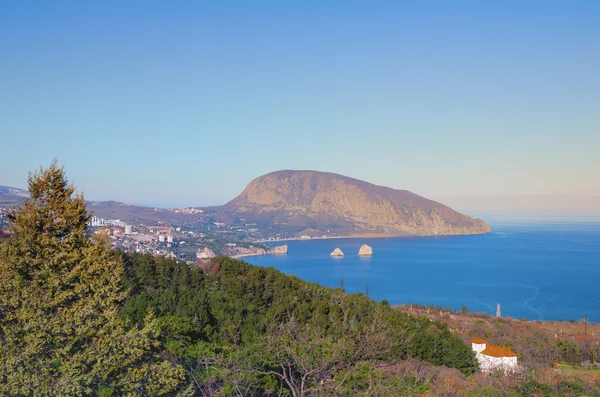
point(205, 253)
point(326, 201)
point(239, 252)
point(280, 250)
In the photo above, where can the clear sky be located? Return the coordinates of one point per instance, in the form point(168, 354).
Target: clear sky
point(184, 102)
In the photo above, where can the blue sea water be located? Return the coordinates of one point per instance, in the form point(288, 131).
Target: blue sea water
point(541, 270)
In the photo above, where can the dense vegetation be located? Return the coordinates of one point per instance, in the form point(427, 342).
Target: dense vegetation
point(78, 318)
point(60, 294)
point(230, 323)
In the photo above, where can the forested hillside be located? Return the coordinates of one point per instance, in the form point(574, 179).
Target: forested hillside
point(79, 318)
point(237, 327)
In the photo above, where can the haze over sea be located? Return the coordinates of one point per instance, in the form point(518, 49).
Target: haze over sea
point(537, 269)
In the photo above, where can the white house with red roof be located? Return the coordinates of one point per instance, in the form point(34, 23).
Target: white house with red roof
point(492, 358)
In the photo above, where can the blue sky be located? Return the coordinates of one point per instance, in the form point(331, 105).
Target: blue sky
point(183, 103)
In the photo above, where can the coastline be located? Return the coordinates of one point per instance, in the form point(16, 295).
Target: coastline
point(367, 236)
point(352, 236)
point(238, 256)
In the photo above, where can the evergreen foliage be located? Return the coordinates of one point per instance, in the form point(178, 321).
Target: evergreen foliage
point(77, 318)
point(232, 323)
point(60, 291)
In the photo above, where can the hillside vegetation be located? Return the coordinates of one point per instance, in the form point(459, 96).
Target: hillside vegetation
point(230, 323)
point(557, 357)
point(78, 318)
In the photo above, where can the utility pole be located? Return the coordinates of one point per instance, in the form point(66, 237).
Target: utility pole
point(585, 321)
point(367, 289)
point(498, 313)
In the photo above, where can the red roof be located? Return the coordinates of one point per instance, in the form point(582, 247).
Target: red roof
point(498, 351)
point(478, 341)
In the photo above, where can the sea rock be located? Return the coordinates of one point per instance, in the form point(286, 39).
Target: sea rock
point(365, 250)
point(205, 253)
point(280, 250)
point(337, 252)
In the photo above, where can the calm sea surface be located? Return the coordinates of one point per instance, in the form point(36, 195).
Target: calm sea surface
point(543, 270)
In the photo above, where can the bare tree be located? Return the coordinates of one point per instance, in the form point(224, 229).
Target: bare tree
point(306, 357)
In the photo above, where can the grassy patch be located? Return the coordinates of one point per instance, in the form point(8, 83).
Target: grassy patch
point(576, 369)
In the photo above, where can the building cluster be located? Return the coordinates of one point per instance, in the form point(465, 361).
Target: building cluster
point(163, 239)
point(140, 242)
point(99, 222)
point(3, 216)
point(167, 237)
point(152, 239)
point(189, 211)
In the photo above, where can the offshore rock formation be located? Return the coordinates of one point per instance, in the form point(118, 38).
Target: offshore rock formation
point(280, 250)
point(337, 252)
point(335, 204)
point(365, 250)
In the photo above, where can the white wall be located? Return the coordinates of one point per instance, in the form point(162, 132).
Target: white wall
point(478, 347)
point(490, 363)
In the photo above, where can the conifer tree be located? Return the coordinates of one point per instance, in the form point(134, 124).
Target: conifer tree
point(60, 289)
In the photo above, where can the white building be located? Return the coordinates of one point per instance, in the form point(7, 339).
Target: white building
point(169, 238)
point(99, 222)
point(128, 229)
point(95, 221)
point(161, 238)
point(492, 358)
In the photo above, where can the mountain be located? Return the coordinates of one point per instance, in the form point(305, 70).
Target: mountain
point(321, 201)
point(11, 195)
point(294, 203)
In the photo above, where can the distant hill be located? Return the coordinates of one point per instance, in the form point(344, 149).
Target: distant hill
point(11, 195)
point(321, 201)
point(305, 202)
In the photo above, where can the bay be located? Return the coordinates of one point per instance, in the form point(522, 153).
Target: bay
point(537, 269)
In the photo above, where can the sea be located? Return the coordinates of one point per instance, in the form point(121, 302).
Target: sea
point(536, 269)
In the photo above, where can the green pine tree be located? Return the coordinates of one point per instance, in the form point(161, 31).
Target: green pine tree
point(60, 290)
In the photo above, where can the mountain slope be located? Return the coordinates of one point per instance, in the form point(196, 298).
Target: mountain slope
point(321, 201)
point(11, 195)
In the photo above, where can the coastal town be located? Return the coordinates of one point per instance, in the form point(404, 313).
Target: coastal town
point(187, 244)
